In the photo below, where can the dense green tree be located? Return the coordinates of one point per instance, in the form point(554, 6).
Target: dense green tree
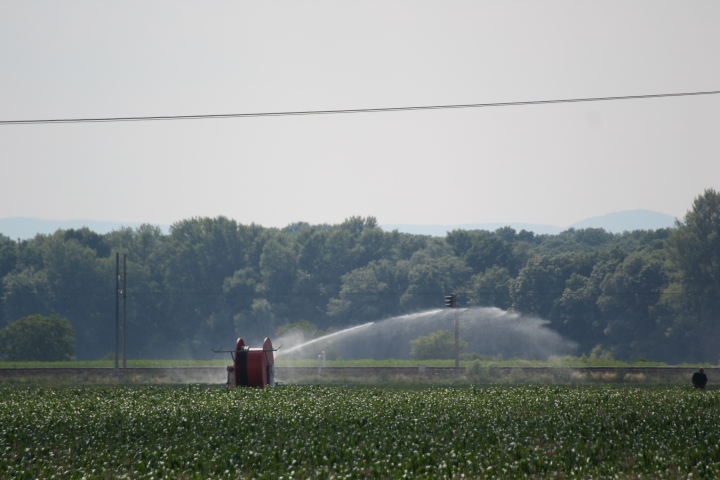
point(438, 345)
point(26, 292)
point(142, 245)
point(240, 289)
point(593, 237)
point(461, 241)
point(371, 292)
point(488, 251)
point(324, 257)
point(402, 246)
point(75, 284)
point(38, 338)
point(642, 240)
point(572, 240)
point(693, 297)
point(491, 288)
point(278, 268)
point(9, 257)
point(199, 255)
point(507, 234)
point(30, 253)
point(429, 281)
point(481, 249)
point(576, 313)
point(353, 244)
point(542, 281)
point(87, 238)
point(627, 300)
point(640, 293)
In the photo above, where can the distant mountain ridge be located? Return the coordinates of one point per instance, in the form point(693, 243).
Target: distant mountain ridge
point(441, 230)
point(628, 220)
point(25, 228)
point(617, 222)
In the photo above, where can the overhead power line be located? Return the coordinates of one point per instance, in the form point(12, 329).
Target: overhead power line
point(344, 111)
point(437, 293)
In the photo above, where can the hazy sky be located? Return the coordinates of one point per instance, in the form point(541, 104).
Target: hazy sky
point(553, 164)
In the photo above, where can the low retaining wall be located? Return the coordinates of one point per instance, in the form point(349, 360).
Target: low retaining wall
point(132, 375)
point(446, 370)
point(506, 375)
point(486, 374)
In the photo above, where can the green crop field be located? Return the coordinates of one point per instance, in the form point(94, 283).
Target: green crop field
point(327, 432)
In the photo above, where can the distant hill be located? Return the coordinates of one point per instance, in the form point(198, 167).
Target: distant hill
point(441, 230)
point(629, 220)
point(616, 222)
point(25, 228)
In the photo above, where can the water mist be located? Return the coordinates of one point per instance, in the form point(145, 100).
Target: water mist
point(488, 331)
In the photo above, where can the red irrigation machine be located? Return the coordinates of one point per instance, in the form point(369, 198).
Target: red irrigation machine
point(252, 367)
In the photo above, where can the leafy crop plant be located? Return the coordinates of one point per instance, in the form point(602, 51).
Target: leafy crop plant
point(337, 432)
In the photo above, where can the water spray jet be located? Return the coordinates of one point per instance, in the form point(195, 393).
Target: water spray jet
point(488, 331)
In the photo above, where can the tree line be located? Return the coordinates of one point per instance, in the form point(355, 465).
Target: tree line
point(641, 294)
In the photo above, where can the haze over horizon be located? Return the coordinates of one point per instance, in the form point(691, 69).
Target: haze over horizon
point(549, 164)
point(615, 222)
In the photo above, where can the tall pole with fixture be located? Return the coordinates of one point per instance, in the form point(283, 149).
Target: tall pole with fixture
point(451, 301)
point(124, 291)
point(117, 308)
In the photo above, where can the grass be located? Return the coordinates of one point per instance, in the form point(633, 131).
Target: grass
point(111, 364)
point(567, 361)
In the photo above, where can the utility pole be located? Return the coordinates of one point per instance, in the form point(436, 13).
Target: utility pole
point(117, 308)
point(124, 290)
point(457, 341)
point(451, 301)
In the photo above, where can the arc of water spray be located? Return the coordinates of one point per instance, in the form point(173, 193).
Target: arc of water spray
point(409, 316)
point(325, 337)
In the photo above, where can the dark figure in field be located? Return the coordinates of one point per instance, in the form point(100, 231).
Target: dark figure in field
point(699, 379)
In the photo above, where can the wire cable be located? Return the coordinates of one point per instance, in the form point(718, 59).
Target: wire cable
point(345, 111)
point(336, 295)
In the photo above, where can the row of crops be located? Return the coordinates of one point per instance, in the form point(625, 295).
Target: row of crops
point(327, 432)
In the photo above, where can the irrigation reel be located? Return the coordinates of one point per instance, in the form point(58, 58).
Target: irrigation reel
point(252, 367)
